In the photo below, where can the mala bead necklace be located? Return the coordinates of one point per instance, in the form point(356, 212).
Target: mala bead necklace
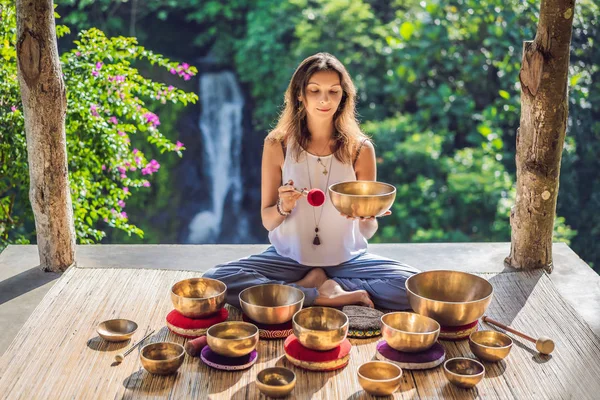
point(316, 240)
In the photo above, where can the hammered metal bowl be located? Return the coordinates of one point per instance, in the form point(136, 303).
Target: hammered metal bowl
point(452, 298)
point(491, 346)
point(320, 328)
point(362, 198)
point(233, 338)
point(379, 378)
point(162, 358)
point(198, 297)
point(409, 332)
point(271, 303)
point(276, 381)
point(464, 372)
point(116, 330)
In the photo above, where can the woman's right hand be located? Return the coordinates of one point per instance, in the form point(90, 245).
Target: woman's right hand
point(288, 196)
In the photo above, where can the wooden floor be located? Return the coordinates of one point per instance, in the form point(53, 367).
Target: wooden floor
point(58, 354)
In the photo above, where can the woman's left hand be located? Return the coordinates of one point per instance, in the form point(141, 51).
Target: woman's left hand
point(388, 212)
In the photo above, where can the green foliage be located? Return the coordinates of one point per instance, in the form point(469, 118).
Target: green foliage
point(108, 106)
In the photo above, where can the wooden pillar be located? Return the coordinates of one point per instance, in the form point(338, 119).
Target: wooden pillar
point(541, 136)
point(44, 107)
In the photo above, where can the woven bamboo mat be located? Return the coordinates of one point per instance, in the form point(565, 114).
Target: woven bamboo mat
point(58, 355)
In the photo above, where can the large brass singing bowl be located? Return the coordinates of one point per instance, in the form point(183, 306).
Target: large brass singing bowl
point(162, 358)
point(271, 303)
point(362, 198)
point(409, 332)
point(320, 328)
point(198, 297)
point(452, 298)
point(276, 381)
point(233, 338)
point(379, 378)
point(491, 346)
point(464, 372)
point(116, 330)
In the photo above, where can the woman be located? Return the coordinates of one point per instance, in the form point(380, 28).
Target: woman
point(316, 143)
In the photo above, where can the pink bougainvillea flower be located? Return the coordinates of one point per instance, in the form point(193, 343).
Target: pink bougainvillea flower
point(121, 133)
point(121, 203)
point(173, 71)
point(99, 65)
point(78, 53)
point(113, 120)
point(178, 145)
point(126, 189)
point(124, 214)
point(13, 109)
point(152, 118)
point(146, 184)
point(94, 110)
point(103, 167)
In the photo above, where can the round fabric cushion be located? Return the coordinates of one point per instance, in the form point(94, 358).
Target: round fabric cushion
point(317, 360)
point(363, 322)
point(192, 328)
point(429, 358)
point(458, 332)
point(275, 331)
point(218, 361)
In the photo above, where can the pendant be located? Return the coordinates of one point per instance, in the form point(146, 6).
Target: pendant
point(316, 242)
point(323, 165)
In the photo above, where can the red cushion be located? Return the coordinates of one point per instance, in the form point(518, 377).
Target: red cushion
point(458, 328)
point(293, 347)
point(266, 327)
point(181, 321)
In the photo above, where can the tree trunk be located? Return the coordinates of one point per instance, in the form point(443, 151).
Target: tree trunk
point(44, 106)
point(541, 136)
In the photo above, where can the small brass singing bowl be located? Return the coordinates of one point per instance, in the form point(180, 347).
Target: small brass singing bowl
point(276, 381)
point(198, 297)
point(320, 328)
point(464, 372)
point(379, 378)
point(116, 330)
point(362, 198)
point(233, 338)
point(271, 303)
point(452, 298)
point(491, 346)
point(409, 332)
point(162, 358)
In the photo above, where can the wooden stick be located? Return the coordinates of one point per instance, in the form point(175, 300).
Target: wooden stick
point(120, 357)
point(543, 344)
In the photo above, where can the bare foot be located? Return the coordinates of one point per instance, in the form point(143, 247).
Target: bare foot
point(331, 294)
point(315, 278)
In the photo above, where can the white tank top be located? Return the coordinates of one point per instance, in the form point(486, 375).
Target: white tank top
point(340, 238)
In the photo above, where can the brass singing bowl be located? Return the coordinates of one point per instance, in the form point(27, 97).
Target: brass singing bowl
point(162, 358)
point(409, 332)
point(271, 303)
point(464, 372)
point(491, 346)
point(362, 198)
point(452, 298)
point(233, 338)
point(116, 330)
point(198, 297)
point(276, 381)
point(379, 378)
point(320, 328)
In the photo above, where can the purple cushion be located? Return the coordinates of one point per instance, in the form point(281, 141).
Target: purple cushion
point(218, 361)
point(429, 358)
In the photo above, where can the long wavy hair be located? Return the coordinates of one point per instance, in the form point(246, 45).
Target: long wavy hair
point(292, 125)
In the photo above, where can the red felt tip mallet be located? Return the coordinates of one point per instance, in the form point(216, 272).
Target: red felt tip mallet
point(194, 347)
point(315, 197)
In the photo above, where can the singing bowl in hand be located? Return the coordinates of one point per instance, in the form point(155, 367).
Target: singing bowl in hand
point(362, 198)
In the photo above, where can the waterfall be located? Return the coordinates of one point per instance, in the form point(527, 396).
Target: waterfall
point(221, 128)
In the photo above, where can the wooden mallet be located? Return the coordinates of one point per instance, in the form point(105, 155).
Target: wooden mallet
point(121, 356)
point(543, 344)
